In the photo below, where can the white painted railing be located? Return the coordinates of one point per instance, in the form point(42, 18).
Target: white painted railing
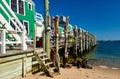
point(18, 28)
point(13, 14)
point(3, 41)
point(9, 27)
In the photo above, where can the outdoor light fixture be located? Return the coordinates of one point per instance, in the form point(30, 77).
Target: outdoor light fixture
point(48, 28)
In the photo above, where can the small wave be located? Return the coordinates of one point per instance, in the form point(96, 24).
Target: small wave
point(101, 66)
point(106, 67)
point(115, 68)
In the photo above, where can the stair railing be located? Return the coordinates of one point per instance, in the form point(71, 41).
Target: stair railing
point(3, 41)
point(13, 14)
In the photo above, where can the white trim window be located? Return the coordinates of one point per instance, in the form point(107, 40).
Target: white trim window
point(21, 7)
point(29, 6)
point(14, 5)
point(18, 6)
point(26, 24)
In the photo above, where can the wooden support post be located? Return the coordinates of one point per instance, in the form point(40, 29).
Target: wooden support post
point(46, 14)
point(24, 70)
point(23, 46)
point(43, 34)
point(81, 47)
point(53, 29)
point(53, 22)
point(75, 51)
point(65, 55)
point(79, 41)
point(34, 36)
point(88, 41)
point(57, 58)
point(83, 40)
point(3, 45)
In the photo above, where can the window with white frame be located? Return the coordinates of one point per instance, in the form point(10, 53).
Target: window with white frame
point(18, 6)
point(29, 6)
point(26, 24)
point(14, 5)
point(21, 7)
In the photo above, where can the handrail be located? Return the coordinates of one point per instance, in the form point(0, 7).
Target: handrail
point(9, 17)
point(8, 7)
point(10, 28)
point(3, 41)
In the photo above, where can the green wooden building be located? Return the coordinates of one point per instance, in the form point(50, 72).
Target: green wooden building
point(16, 16)
point(19, 14)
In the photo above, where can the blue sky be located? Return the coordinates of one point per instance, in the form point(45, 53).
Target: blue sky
point(100, 17)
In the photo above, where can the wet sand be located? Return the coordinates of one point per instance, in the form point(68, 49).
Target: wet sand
point(75, 73)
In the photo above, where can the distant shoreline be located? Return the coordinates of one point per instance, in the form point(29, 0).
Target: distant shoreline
point(108, 40)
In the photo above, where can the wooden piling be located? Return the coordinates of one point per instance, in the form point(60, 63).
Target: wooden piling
point(75, 47)
point(81, 44)
point(65, 55)
point(35, 33)
point(57, 58)
point(46, 15)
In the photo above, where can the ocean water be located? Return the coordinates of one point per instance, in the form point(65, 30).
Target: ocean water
point(106, 54)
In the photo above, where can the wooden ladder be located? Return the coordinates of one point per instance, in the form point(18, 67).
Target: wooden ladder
point(45, 62)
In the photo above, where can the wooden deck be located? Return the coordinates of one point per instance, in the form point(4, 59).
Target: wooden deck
point(16, 51)
point(16, 63)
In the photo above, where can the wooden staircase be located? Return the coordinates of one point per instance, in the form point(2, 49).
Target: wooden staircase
point(46, 64)
point(7, 26)
point(16, 33)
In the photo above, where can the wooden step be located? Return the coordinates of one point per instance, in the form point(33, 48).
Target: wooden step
point(43, 54)
point(44, 59)
point(49, 63)
point(39, 50)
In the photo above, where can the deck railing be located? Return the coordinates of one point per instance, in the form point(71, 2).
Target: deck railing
point(3, 40)
point(19, 29)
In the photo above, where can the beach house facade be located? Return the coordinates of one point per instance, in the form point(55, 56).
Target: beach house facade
point(39, 24)
point(62, 24)
point(18, 15)
point(16, 22)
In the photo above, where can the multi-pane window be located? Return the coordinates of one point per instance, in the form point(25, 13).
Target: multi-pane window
point(21, 7)
point(14, 5)
point(17, 6)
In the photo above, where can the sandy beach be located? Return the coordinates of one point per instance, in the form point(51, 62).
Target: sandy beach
point(75, 73)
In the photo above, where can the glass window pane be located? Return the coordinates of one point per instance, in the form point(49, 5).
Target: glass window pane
point(26, 26)
point(21, 7)
point(14, 5)
point(30, 6)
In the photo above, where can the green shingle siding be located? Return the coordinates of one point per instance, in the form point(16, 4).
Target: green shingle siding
point(29, 16)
